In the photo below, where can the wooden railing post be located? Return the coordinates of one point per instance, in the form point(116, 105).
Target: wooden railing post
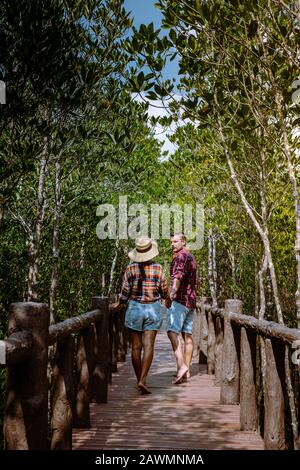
point(274, 422)
point(114, 341)
point(196, 331)
point(230, 359)
point(219, 350)
point(26, 420)
point(100, 374)
point(203, 333)
point(122, 345)
point(63, 383)
point(84, 361)
point(248, 409)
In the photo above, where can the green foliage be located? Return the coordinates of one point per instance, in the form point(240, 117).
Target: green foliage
point(72, 70)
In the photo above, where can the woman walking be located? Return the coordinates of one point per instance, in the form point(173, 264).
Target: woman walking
point(144, 284)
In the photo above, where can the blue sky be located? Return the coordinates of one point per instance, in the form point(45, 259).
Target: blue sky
point(143, 11)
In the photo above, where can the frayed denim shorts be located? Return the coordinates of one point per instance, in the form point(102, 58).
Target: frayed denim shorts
point(143, 317)
point(180, 318)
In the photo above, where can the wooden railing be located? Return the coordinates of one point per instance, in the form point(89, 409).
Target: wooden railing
point(77, 357)
point(256, 364)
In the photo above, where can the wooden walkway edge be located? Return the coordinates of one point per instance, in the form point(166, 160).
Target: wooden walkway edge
point(186, 416)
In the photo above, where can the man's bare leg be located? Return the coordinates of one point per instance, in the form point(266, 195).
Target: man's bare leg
point(182, 368)
point(188, 352)
point(136, 352)
point(148, 349)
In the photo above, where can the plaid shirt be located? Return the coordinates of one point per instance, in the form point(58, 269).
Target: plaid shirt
point(145, 289)
point(184, 268)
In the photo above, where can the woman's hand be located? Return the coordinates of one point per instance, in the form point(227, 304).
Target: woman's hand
point(116, 306)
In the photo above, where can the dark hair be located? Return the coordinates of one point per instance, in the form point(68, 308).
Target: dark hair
point(142, 275)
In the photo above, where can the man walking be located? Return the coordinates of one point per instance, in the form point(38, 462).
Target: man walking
point(181, 303)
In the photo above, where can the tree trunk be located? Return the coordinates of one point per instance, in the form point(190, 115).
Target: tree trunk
point(233, 274)
point(263, 234)
point(113, 267)
point(214, 264)
point(261, 316)
point(294, 184)
point(1, 213)
point(35, 237)
point(55, 241)
point(211, 279)
point(103, 283)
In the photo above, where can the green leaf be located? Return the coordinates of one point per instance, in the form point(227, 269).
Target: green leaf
point(160, 91)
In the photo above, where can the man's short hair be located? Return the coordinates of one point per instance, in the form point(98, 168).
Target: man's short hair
point(181, 235)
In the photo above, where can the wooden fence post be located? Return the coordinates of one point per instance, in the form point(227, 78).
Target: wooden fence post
point(101, 368)
point(84, 362)
point(274, 422)
point(230, 359)
point(203, 333)
point(62, 408)
point(219, 350)
point(114, 341)
point(120, 318)
point(248, 408)
point(26, 420)
point(196, 331)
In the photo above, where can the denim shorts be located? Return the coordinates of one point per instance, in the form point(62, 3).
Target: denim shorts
point(143, 317)
point(180, 318)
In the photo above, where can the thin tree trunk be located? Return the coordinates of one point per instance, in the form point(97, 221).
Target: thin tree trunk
point(1, 212)
point(35, 237)
point(103, 283)
point(262, 296)
point(81, 262)
point(233, 273)
point(262, 313)
point(82, 249)
point(113, 267)
point(294, 184)
point(264, 235)
point(214, 264)
point(55, 241)
point(211, 280)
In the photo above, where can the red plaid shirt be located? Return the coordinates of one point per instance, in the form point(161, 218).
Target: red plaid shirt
point(145, 287)
point(184, 268)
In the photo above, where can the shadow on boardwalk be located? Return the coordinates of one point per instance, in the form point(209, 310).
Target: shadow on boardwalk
point(186, 416)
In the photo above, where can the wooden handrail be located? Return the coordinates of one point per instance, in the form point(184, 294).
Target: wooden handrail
point(72, 326)
point(18, 347)
point(84, 351)
point(267, 329)
point(252, 359)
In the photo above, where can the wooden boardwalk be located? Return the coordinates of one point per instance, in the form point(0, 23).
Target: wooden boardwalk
point(186, 416)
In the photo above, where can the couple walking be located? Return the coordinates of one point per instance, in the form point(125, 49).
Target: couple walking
point(144, 285)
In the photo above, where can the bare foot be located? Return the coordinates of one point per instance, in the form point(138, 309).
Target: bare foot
point(186, 377)
point(182, 371)
point(143, 388)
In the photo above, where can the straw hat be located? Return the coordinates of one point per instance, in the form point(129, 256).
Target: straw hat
point(145, 249)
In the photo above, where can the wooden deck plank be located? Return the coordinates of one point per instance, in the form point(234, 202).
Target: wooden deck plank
point(186, 416)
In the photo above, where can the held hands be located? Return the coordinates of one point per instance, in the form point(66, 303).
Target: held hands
point(169, 299)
